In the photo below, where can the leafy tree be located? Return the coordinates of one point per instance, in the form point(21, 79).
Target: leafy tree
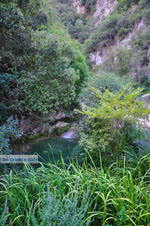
point(42, 69)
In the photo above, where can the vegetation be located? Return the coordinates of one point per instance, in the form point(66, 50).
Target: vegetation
point(101, 80)
point(109, 123)
point(132, 60)
point(73, 195)
point(118, 24)
point(59, 131)
point(8, 132)
point(126, 17)
point(43, 70)
point(35, 59)
point(90, 6)
point(78, 25)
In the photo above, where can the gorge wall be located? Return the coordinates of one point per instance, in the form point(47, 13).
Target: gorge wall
point(119, 25)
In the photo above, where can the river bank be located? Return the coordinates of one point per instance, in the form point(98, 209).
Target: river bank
point(33, 127)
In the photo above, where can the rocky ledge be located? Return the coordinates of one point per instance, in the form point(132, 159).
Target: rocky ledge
point(35, 126)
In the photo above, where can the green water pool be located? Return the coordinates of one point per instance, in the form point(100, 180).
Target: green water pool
point(50, 149)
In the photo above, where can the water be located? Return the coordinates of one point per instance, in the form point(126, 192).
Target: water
point(50, 149)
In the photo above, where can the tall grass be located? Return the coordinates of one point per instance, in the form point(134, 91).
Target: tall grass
point(73, 195)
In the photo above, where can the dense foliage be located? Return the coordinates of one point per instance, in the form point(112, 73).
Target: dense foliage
point(42, 69)
point(117, 26)
point(79, 25)
point(8, 132)
point(7, 84)
point(101, 80)
point(110, 122)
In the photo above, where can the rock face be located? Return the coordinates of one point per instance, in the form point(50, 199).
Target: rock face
point(57, 125)
point(103, 9)
point(80, 8)
point(98, 57)
point(43, 125)
point(54, 117)
point(71, 133)
point(138, 26)
point(148, 52)
point(146, 99)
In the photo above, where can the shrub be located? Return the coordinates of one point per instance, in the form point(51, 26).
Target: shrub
point(146, 16)
point(77, 25)
point(145, 83)
point(101, 80)
point(107, 122)
point(118, 61)
point(68, 211)
point(7, 86)
point(8, 132)
point(144, 3)
point(90, 5)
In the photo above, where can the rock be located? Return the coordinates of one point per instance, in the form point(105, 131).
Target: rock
point(71, 133)
point(61, 124)
point(45, 125)
point(60, 128)
point(148, 52)
point(144, 123)
point(146, 99)
point(103, 9)
point(53, 117)
point(79, 7)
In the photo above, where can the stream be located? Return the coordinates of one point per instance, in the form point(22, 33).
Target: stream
point(52, 148)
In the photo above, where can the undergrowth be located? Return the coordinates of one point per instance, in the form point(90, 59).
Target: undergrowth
point(72, 195)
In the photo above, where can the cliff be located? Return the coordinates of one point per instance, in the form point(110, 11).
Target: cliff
point(120, 34)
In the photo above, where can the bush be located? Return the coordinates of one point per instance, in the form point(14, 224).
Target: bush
point(77, 25)
point(7, 86)
point(90, 5)
point(8, 132)
point(118, 61)
point(101, 80)
point(146, 16)
point(139, 62)
point(107, 123)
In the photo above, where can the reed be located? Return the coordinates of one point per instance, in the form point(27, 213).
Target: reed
point(65, 195)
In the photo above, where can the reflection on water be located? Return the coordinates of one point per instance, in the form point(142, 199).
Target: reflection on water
point(50, 149)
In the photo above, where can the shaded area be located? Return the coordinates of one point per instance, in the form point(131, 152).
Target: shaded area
point(50, 149)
